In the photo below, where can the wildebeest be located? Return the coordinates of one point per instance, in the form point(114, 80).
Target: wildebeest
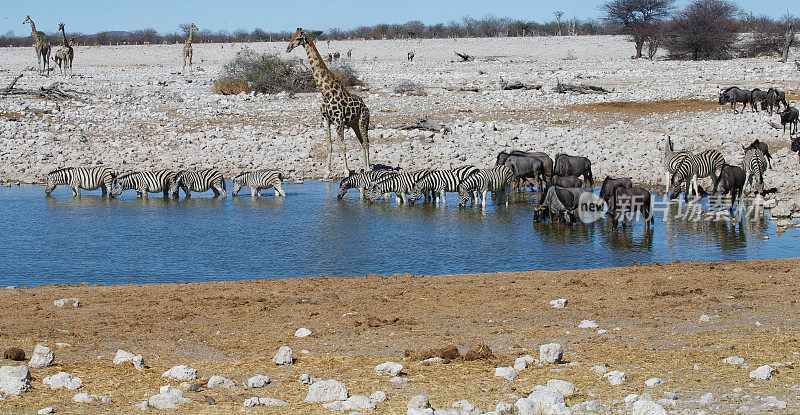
point(524, 167)
point(573, 166)
point(733, 95)
point(547, 162)
point(796, 146)
point(628, 201)
point(773, 101)
point(757, 96)
point(761, 146)
point(789, 116)
point(731, 181)
point(609, 189)
point(780, 98)
point(560, 203)
point(568, 181)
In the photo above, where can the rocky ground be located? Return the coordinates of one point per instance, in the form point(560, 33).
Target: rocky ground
point(142, 113)
point(673, 338)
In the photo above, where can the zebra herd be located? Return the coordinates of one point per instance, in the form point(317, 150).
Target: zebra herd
point(160, 181)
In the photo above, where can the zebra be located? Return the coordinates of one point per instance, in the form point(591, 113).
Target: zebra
point(198, 181)
point(698, 166)
point(754, 165)
point(144, 182)
point(87, 178)
point(497, 180)
point(400, 183)
point(441, 181)
point(361, 181)
point(257, 180)
point(672, 160)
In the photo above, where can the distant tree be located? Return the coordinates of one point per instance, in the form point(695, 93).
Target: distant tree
point(637, 18)
point(765, 37)
point(558, 14)
point(706, 29)
point(789, 37)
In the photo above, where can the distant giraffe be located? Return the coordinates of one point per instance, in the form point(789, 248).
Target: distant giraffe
point(41, 45)
point(187, 49)
point(339, 106)
point(65, 54)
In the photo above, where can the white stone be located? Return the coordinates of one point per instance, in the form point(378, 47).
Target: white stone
point(465, 406)
point(706, 399)
point(567, 389)
point(14, 380)
point(143, 406)
point(63, 380)
point(306, 379)
point(389, 368)
point(42, 357)
point(399, 379)
point(587, 324)
point(507, 373)
point(647, 408)
point(327, 391)
point(653, 382)
point(542, 400)
point(167, 398)
point(122, 356)
point(181, 372)
point(82, 397)
point(559, 303)
point(217, 381)
point(420, 411)
point(76, 302)
point(521, 363)
point(435, 359)
point(733, 360)
point(257, 381)
point(138, 362)
point(48, 410)
point(762, 373)
point(283, 357)
point(302, 332)
point(418, 401)
point(378, 397)
point(615, 377)
point(550, 353)
point(705, 319)
point(599, 369)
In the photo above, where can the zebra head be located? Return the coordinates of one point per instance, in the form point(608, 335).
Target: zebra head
point(55, 178)
point(463, 197)
point(373, 194)
point(120, 184)
point(178, 182)
point(415, 195)
point(237, 184)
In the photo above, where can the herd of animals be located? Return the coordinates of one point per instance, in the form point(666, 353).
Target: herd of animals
point(769, 100)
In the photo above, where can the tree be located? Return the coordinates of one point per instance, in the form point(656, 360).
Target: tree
point(558, 14)
point(706, 29)
point(637, 18)
point(789, 38)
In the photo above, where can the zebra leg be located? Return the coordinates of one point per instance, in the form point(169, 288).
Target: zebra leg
point(748, 179)
point(483, 198)
point(397, 198)
point(666, 179)
point(443, 196)
point(145, 194)
point(253, 193)
point(404, 197)
point(279, 190)
point(76, 191)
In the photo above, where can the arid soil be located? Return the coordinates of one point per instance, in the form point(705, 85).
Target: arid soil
point(651, 314)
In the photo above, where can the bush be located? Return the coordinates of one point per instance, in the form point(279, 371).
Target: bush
point(231, 86)
point(347, 75)
point(410, 89)
point(706, 29)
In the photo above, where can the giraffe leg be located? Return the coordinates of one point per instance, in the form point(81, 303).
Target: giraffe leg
point(340, 133)
point(362, 133)
point(330, 147)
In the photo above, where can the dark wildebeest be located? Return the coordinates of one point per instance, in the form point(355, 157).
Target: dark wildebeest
point(773, 100)
point(733, 95)
point(569, 181)
point(628, 201)
point(789, 116)
point(559, 203)
point(761, 146)
point(780, 98)
point(609, 188)
point(796, 146)
point(731, 181)
point(524, 167)
point(547, 162)
point(757, 96)
point(573, 166)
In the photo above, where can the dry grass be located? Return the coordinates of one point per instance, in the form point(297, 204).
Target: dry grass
point(231, 86)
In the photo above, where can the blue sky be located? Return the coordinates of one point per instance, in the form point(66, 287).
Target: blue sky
point(92, 16)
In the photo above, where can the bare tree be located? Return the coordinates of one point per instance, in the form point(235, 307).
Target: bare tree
point(558, 14)
point(789, 39)
point(638, 18)
point(706, 29)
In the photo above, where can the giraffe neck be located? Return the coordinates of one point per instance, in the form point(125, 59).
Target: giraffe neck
point(323, 77)
point(189, 39)
point(64, 34)
point(34, 33)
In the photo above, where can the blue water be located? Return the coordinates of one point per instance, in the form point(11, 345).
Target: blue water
point(311, 233)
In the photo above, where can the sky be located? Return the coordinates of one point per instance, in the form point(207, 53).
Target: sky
point(92, 16)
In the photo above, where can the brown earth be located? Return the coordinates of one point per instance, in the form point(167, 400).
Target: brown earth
point(234, 328)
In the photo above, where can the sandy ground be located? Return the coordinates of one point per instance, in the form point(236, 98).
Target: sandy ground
point(651, 312)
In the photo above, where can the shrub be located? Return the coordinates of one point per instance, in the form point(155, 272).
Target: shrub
point(410, 89)
point(706, 29)
point(231, 86)
point(347, 75)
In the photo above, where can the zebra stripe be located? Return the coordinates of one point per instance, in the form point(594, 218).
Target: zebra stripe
point(361, 181)
point(496, 179)
point(144, 182)
point(698, 166)
point(400, 184)
point(441, 181)
point(87, 178)
point(198, 181)
point(257, 180)
point(673, 159)
point(754, 164)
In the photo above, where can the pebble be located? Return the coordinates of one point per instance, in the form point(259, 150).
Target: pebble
point(389, 368)
point(217, 381)
point(264, 401)
point(63, 380)
point(181, 372)
point(706, 399)
point(599, 369)
point(543, 399)
point(615, 377)
point(48, 410)
point(123, 356)
point(653, 382)
point(76, 302)
point(399, 379)
point(378, 397)
point(258, 381)
point(647, 408)
point(521, 363)
point(42, 357)
point(327, 391)
point(306, 379)
point(559, 303)
point(587, 324)
point(733, 360)
point(507, 373)
point(762, 373)
point(302, 332)
point(284, 356)
point(551, 353)
point(418, 401)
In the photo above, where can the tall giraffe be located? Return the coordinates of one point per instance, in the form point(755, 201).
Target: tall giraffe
point(339, 106)
point(65, 54)
point(187, 48)
point(41, 45)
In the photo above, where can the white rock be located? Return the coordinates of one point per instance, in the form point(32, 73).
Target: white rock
point(306, 379)
point(82, 397)
point(257, 381)
point(705, 319)
point(389, 368)
point(181, 372)
point(48, 410)
point(138, 362)
point(420, 411)
point(550, 353)
point(378, 397)
point(435, 359)
point(143, 406)
point(559, 303)
point(283, 357)
point(543, 400)
point(122, 356)
point(14, 380)
point(272, 402)
point(217, 381)
point(167, 398)
point(653, 382)
point(352, 403)
point(630, 399)
point(327, 391)
point(599, 369)
point(647, 408)
point(302, 332)
point(615, 377)
point(706, 399)
point(567, 389)
point(63, 380)
point(42, 357)
point(465, 406)
point(76, 302)
point(418, 401)
point(521, 363)
point(587, 324)
point(762, 373)
point(733, 360)
point(507, 373)
point(399, 379)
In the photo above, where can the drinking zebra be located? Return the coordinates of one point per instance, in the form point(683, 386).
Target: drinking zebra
point(257, 180)
point(696, 167)
point(87, 178)
point(672, 160)
point(754, 164)
point(441, 181)
point(144, 182)
point(198, 181)
point(400, 184)
point(361, 181)
point(497, 180)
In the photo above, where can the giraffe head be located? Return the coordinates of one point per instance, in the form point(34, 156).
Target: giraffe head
point(193, 27)
point(61, 26)
point(298, 39)
point(27, 20)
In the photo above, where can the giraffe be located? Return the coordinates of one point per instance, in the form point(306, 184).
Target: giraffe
point(339, 106)
point(65, 54)
point(187, 49)
point(41, 45)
